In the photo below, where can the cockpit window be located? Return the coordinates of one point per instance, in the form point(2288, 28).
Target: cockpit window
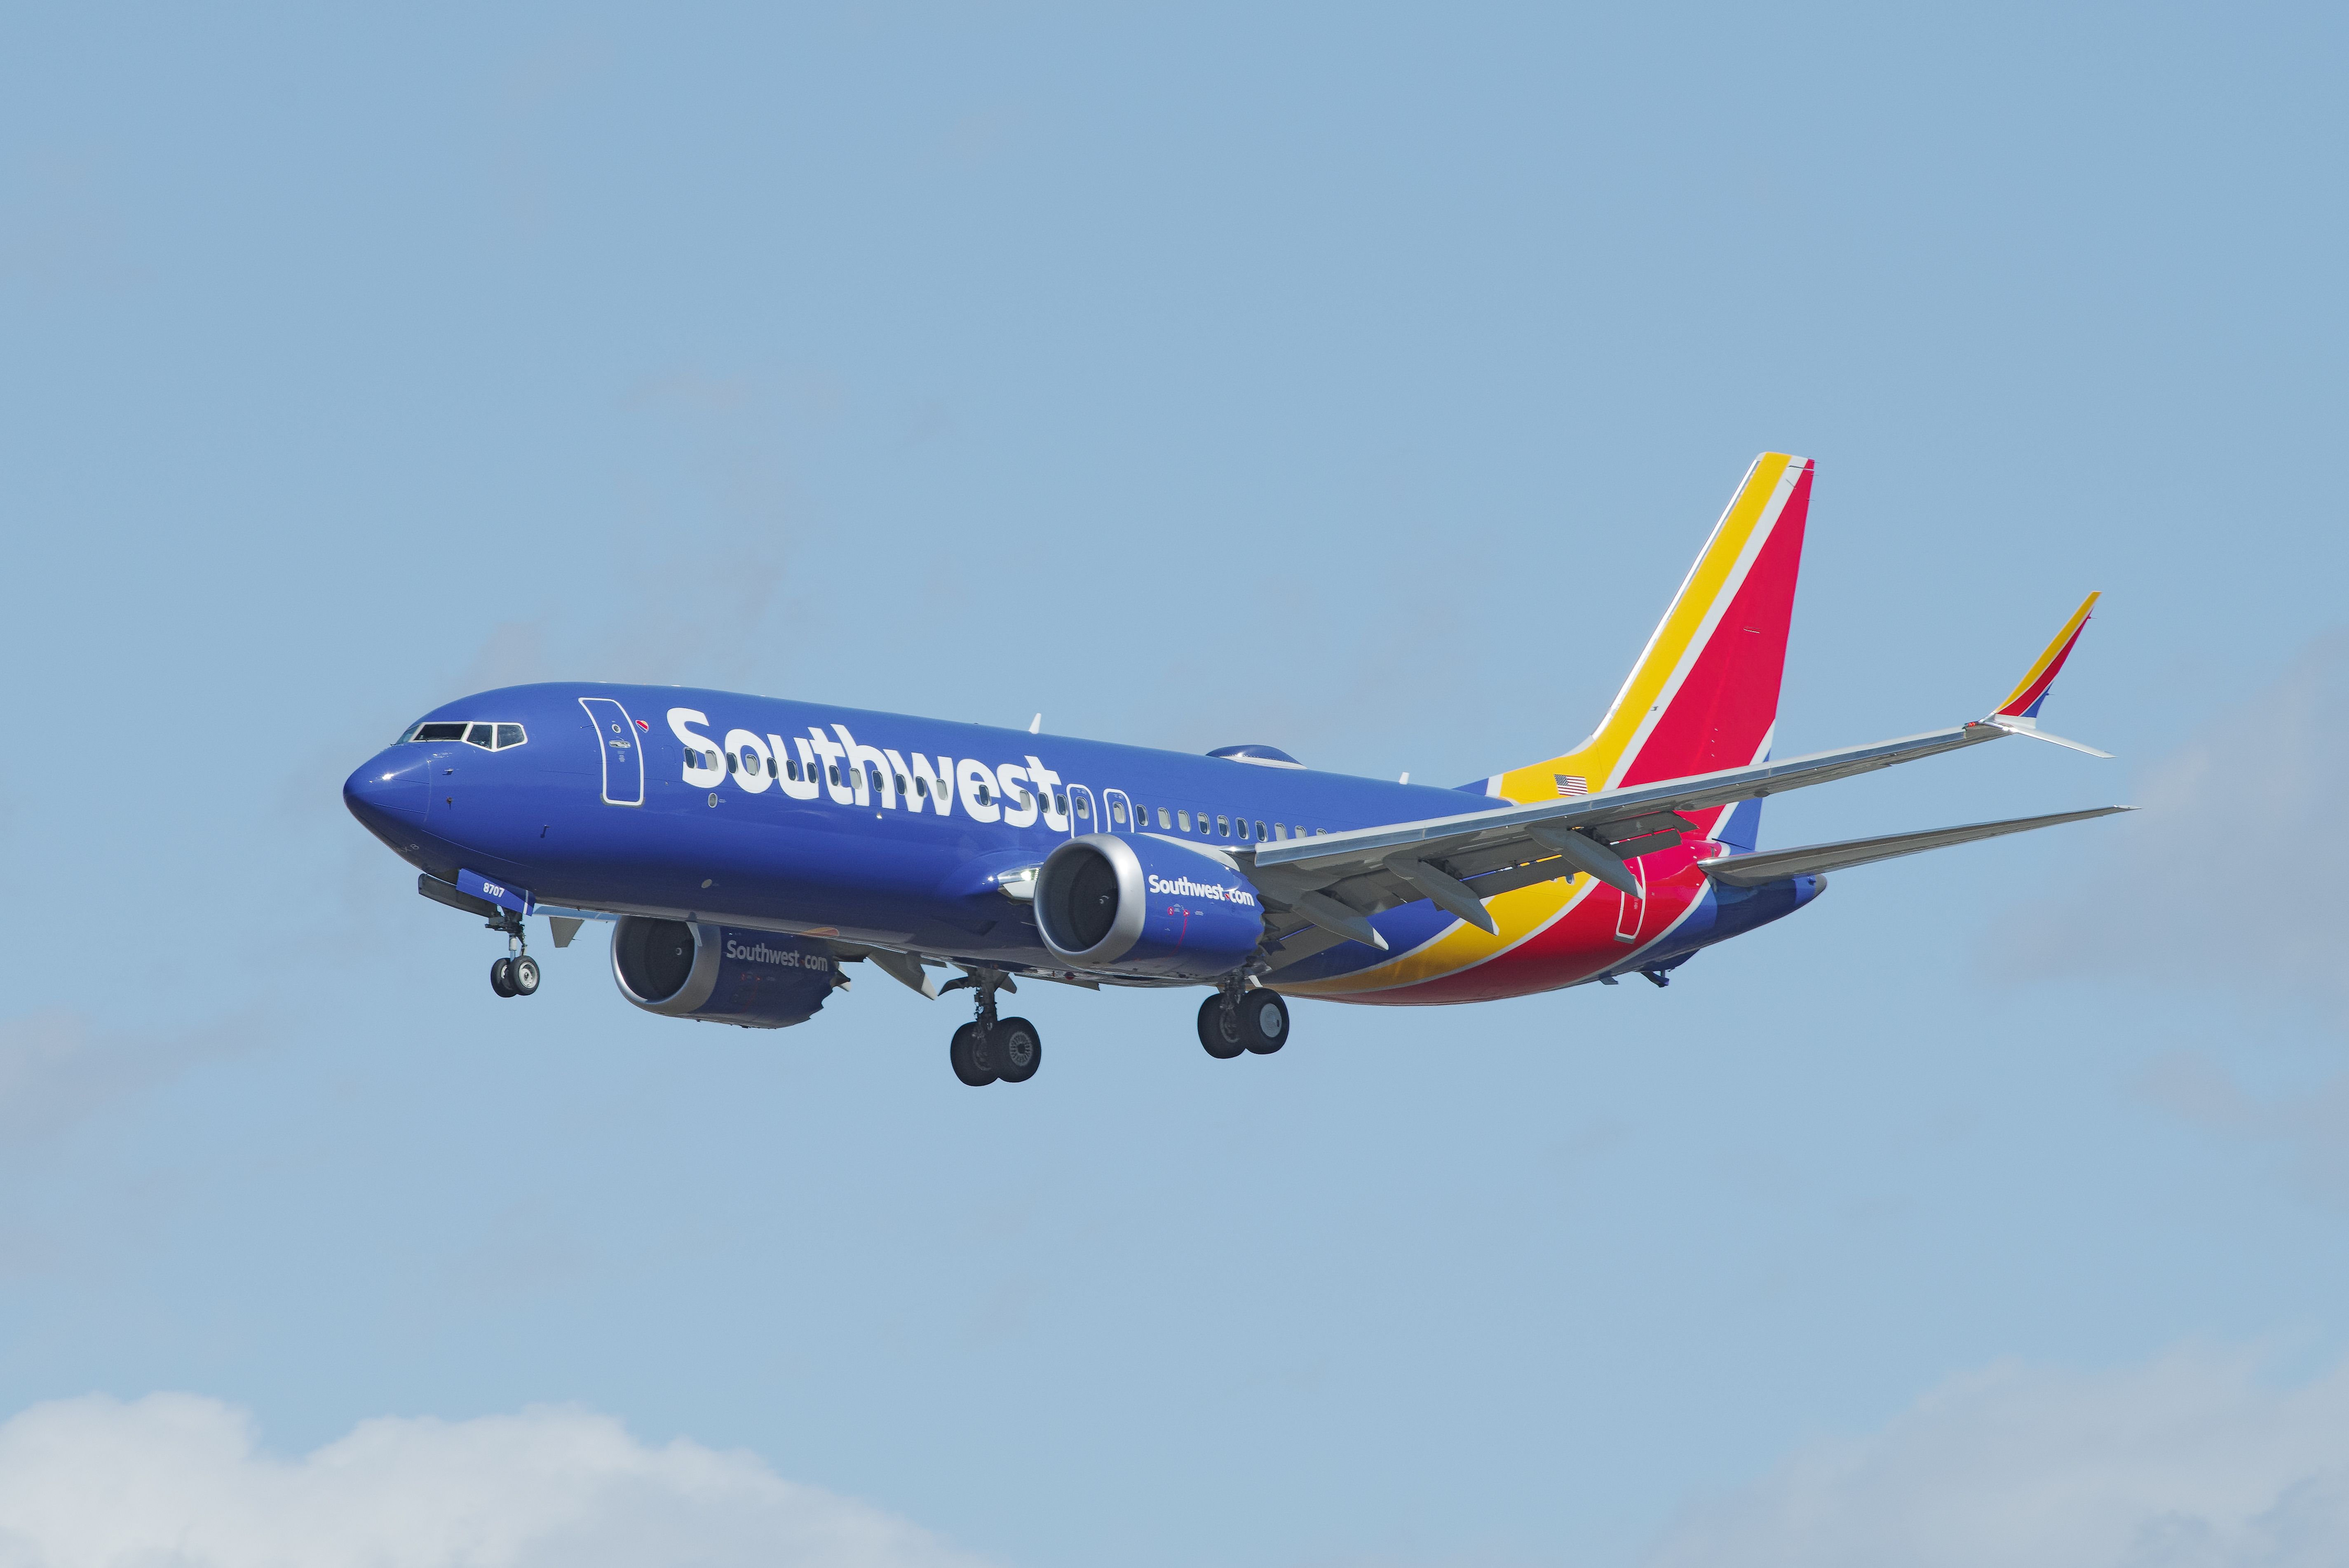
point(490, 737)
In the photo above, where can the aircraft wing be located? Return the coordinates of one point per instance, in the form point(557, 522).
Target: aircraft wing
point(1753, 870)
point(1333, 881)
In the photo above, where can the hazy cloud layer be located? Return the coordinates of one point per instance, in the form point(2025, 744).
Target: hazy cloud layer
point(56, 1069)
point(2308, 1125)
point(2263, 775)
point(2190, 1463)
point(175, 1478)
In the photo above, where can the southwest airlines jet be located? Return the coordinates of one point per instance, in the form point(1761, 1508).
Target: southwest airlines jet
point(745, 848)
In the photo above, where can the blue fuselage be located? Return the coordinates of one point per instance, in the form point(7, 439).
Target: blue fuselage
point(801, 816)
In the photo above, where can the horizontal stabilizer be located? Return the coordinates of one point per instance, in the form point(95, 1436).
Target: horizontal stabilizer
point(1753, 870)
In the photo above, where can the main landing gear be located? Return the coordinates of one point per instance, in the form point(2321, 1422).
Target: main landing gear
point(1234, 1019)
point(990, 1048)
point(517, 973)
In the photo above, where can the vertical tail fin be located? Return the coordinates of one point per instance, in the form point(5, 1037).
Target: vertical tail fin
point(1704, 693)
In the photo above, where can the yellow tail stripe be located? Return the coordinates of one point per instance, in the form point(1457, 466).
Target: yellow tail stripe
point(1601, 758)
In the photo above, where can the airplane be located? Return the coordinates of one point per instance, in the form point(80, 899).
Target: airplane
point(745, 848)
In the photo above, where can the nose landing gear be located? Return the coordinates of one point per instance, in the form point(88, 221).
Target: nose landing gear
point(517, 973)
point(988, 1048)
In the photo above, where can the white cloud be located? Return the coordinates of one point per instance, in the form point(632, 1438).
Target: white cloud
point(176, 1479)
point(2191, 1461)
point(2237, 834)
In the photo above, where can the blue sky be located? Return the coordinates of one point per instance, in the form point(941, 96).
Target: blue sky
point(1359, 382)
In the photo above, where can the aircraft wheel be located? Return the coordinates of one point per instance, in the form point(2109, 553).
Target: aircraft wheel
point(1264, 1021)
point(501, 977)
point(974, 1064)
point(1219, 1029)
point(522, 975)
point(1017, 1049)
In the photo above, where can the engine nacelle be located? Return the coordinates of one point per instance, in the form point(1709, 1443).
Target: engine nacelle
point(720, 974)
point(1144, 906)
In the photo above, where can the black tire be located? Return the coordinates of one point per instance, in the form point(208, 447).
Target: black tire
point(974, 1064)
point(1017, 1049)
point(1264, 1021)
point(1219, 1029)
point(522, 975)
point(501, 977)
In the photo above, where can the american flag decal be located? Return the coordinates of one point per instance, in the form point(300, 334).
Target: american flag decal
point(1571, 783)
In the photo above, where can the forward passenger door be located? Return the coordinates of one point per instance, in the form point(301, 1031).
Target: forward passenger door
point(623, 747)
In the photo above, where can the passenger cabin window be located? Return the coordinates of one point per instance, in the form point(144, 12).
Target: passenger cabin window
point(1161, 820)
point(1117, 812)
point(1260, 830)
point(1222, 826)
point(1182, 817)
point(1280, 830)
point(1083, 810)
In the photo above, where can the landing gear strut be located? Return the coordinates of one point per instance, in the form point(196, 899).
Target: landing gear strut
point(1238, 1018)
point(990, 1048)
point(516, 974)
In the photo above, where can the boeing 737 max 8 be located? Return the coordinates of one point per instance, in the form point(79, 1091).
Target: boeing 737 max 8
point(744, 848)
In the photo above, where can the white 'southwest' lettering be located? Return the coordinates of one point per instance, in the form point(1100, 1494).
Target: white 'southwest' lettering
point(750, 753)
point(864, 761)
point(1047, 784)
point(1015, 793)
point(1019, 806)
point(702, 768)
point(976, 782)
point(787, 958)
point(1183, 888)
point(928, 786)
point(835, 786)
point(803, 787)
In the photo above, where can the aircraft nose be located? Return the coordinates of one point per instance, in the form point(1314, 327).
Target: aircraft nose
point(387, 792)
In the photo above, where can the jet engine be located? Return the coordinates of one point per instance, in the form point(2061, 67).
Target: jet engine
point(1144, 906)
point(721, 974)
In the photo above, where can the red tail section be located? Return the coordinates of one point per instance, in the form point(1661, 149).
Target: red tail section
point(1704, 694)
